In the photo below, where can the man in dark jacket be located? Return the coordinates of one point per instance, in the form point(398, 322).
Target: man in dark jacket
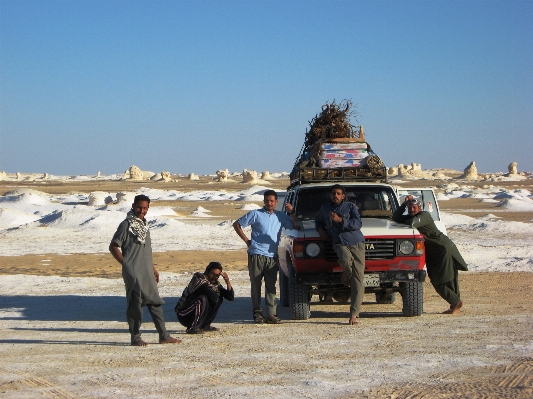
point(201, 299)
point(339, 221)
point(443, 260)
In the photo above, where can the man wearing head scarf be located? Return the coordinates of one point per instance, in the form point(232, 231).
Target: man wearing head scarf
point(340, 222)
point(443, 260)
point(201, 299)
point(132, 248)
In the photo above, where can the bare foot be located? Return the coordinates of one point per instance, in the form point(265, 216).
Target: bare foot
point(455, 309)
point(139, 342)
point(352, 321)
point(170, 340)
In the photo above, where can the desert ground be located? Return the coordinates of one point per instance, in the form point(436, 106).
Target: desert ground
point(63, 332)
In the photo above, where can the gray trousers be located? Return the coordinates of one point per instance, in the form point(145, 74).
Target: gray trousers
point(352, 260)
point(135, 316)
point(260, 267)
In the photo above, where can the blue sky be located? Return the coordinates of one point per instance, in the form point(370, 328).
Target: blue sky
point(197, 86)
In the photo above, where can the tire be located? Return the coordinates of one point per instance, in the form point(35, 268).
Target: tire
point(413, 298)
point(382, 297)
point(283, 290)
point(298, 298)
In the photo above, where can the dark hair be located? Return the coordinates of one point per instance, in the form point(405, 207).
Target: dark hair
point(338, 187)
point(268, 193)
point(141, 197)
point(211, 266)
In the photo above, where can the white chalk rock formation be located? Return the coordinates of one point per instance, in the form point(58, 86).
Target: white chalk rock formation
point(439, 175)
point(166, 176)
point(470, 172)
point(3, 175)
point(393, 171)
point(416, 166)
point(125, 198)
point(192, 176)
point(46, 176)
point(266, 175)
point(19, 176)
point(403, 170)
point(163, 176)
point(513, 168)
point(99, 198)
point(249, 176)
point(222, 175)
point(98, 174)
point(135, 173)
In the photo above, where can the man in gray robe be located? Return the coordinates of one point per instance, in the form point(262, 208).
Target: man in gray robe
point(443, 260)
point(132, 248)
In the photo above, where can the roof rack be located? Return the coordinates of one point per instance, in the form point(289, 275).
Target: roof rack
point(321, 175)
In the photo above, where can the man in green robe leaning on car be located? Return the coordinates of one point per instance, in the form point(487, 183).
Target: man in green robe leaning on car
point(443, 260)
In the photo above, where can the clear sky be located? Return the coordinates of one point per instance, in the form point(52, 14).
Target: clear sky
point(197, 86)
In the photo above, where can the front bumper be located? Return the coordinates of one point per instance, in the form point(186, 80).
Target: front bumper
point(384, 277)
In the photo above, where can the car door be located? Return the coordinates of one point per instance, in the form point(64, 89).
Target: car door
point(429, 203)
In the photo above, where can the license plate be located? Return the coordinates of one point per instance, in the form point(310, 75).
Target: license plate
point(371, 280)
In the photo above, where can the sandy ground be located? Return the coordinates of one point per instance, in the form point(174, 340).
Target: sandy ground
point(63, 335)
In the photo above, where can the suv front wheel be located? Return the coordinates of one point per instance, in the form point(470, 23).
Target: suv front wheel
point(298, 297)
point(413, 298)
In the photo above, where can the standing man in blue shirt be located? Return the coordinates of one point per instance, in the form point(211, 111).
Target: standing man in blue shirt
point(340, 223)
point(266, 224)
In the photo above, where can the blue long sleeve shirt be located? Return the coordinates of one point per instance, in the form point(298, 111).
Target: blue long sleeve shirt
point(347, 232)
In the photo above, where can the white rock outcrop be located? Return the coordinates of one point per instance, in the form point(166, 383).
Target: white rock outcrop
point(266, 175)
point(470, 172)
point(135, 173)
point(403, 170)
point(249, 176)
point(99, 198)
point(192, 176)
point(222, 175)
point(513, 168)
point(393, 171)
point(163, 176)
point(125, 198)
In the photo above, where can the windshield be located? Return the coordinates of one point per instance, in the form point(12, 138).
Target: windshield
point(376, 202)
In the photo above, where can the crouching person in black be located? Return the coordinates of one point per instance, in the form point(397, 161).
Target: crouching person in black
point(201, 299)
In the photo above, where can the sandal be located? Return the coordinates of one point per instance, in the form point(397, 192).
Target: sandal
point(210, 329)
point(272, 319)
point(259, 319)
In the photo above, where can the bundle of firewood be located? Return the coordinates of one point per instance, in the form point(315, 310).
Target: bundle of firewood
point(333, 122)
point(332, 142)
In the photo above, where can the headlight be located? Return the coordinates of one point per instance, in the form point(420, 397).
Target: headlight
point(407, 247)
point(312, 250)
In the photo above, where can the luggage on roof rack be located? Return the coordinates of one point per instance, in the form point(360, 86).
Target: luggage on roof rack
point(321, 175)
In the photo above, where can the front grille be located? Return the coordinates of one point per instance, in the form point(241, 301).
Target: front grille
point(375, 250)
